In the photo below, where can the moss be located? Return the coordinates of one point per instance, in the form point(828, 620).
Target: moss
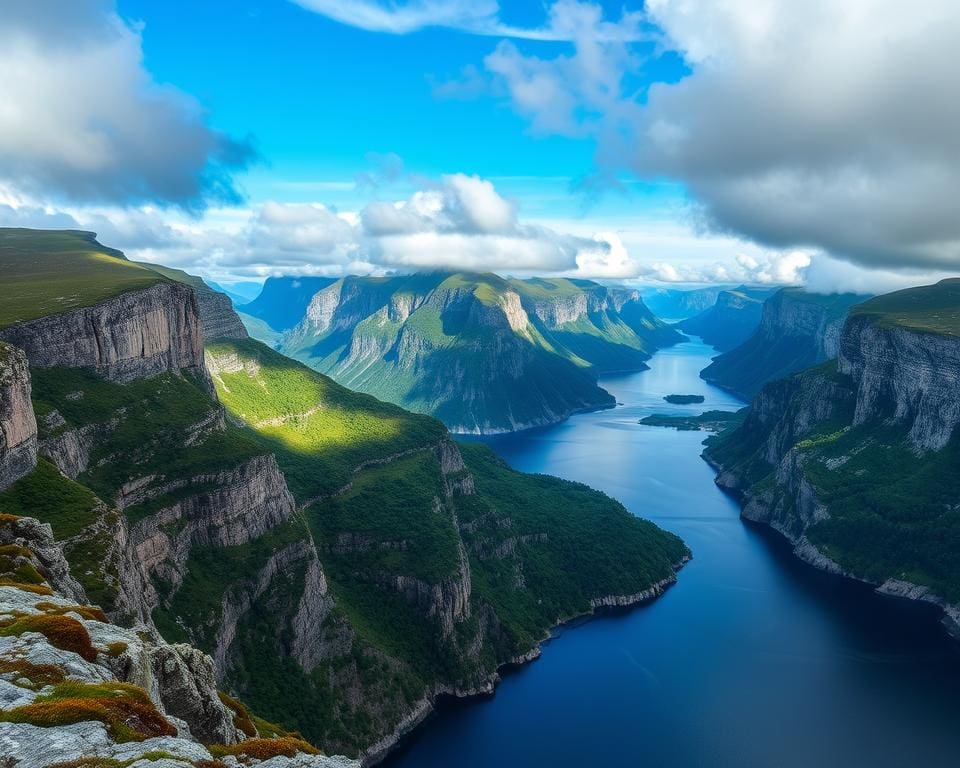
point(39, 675)
point(125, 709)
point(63, 632)
point(37, 589)
point(241, 717)
point(264, 749)
point(116, 648)
point(90, 612)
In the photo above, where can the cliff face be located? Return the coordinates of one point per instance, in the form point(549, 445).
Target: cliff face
point(18, 427)
point(855, 461)
point(483, 354)
point(910, 377)
point(132, 336)
point(143, 696)
point(797, 330)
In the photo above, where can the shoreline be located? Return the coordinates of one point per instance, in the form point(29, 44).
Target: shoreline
point(427, 706)
point(807, 552)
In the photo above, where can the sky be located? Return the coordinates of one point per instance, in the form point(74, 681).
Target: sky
point(762, 141)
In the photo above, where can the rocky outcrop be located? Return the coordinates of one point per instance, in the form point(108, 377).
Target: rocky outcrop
point(18, 427)
point(230, 508)
point(908, 376)
point(131, 336)
point(732, 319)
point(217, 316)
point(168, 691)
point(797, 330)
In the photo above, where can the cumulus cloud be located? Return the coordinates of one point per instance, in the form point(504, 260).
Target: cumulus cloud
point(81, 119)
point(821, 125)
point(457, 222)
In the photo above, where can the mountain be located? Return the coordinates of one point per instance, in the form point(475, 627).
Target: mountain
point(242, 292)
point(216, 308)
point(798, 329)
point(733, 318)
point(672, 304)
point(855, 460)
point(482, 353)
point(335, 562)
point(283, 301)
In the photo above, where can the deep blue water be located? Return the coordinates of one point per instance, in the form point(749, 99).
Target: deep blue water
point(752, 659)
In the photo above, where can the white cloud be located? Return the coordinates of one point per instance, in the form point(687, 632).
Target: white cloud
point(816, 125)
point(478, 17)
point(81, 119)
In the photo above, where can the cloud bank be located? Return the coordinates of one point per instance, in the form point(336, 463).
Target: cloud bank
point(824, 125)
point(82, 120)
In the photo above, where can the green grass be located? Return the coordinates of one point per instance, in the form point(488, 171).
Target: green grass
point(319, 430)
point(929, 309)
point(51, 498)
point(50, 272)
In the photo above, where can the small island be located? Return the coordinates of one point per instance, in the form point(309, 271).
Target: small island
point(709, 421)
point(684, 399)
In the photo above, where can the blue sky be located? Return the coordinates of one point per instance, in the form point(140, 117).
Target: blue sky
point(319, 96)
point(667, 141)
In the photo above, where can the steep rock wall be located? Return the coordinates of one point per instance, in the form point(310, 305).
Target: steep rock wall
point(132, 336)
point(18, 427)
point(911, 377)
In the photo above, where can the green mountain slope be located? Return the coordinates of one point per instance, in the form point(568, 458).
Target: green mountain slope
point(337, 556)
point(856, 460)
point(481, 353)
point(798, 329)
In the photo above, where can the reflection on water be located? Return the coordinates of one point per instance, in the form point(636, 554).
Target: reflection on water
point(752, 659)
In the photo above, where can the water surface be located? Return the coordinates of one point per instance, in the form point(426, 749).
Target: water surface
point(752, 659)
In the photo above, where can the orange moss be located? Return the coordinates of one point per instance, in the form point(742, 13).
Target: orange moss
point(38, 674)
point(124, 708)
point(91, 612)
point(241, 715)
point(63, 632)
point(37, 589)
point(264, 749)
point(8, 519)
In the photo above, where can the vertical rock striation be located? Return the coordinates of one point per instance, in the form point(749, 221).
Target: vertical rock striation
point(18, 426)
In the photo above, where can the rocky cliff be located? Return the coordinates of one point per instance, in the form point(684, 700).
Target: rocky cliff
point(797, 330)
point(481, 353)
point(18, 426)
point(131, 336)
point(74, 687)
point(854, 460)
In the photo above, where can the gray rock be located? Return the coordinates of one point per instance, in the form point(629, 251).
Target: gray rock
point(18, 427)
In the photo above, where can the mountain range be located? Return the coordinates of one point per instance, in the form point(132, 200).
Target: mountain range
point(226, 550)
point(482, 353)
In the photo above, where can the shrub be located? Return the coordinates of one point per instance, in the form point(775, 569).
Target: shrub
point(63, 632)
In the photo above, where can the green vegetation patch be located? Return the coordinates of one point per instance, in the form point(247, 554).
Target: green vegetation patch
point(929, 308)
point(708, 421)
point(51, 498)
point(573, 544)
point(319, 430)
point(49, 272)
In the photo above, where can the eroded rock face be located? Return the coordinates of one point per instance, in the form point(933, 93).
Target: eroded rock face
point(178, 679)
point(18, 427)
point(217, 316)
point(129, 337)
point(235, 507)
point(908, 376)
